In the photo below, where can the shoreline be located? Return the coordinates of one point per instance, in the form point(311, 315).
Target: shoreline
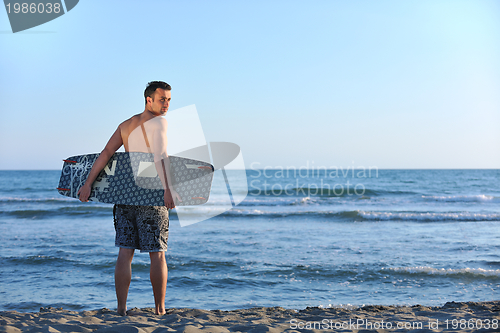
point(452, 316)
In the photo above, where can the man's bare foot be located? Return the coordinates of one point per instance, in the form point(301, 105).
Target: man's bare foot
point(122, 312)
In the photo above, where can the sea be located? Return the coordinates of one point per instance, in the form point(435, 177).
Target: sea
point(301, 238)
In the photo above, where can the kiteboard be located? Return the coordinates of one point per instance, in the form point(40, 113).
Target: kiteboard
point(130, 178)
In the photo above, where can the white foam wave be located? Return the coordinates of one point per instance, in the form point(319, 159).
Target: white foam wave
point(249, 212)
point(43, 199)
point(429, 217)
point(304, 201)
point(340, 306)
point(449, 271)
point(460, 198)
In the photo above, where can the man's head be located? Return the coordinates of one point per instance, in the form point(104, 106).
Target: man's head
point(157, 97)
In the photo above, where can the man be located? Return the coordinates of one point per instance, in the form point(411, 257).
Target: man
point(141, 227)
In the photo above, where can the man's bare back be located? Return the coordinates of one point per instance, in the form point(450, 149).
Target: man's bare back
point(145, 134)
point(127, 127)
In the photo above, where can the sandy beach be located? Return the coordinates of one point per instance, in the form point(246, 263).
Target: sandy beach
point(453, 316)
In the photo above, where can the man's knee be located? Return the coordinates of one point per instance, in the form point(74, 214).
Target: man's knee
point(125, 254)
point(157, 256)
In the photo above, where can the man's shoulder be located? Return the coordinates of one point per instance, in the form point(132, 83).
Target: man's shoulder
point(157, 122)
point(130, 120)
point(162, 121)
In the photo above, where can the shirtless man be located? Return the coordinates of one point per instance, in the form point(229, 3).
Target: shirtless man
point(141, 227)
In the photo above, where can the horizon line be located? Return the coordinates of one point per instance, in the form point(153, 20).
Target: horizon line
point(302, 168)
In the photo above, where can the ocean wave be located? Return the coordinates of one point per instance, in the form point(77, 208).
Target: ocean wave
point(283, 201)
point(359, 216)
point(429, 217)
point(302, 210)
point(82, 211)
point(461, 198)
point(38, 200)
point(447, 272)
point(29, 189)
point(278, 190)
point(341, 215)
point(37, 260)
point(304, 201)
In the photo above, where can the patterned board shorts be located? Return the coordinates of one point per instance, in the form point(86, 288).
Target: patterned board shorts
point(141, 227)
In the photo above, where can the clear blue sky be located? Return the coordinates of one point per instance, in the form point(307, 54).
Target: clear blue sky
point(392, 84)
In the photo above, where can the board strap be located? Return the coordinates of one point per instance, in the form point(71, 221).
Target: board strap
point(145, 137)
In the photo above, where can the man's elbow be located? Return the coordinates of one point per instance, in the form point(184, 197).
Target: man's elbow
point(107, 153)
point(160, 157)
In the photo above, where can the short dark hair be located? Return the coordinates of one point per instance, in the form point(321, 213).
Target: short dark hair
point(152, 86)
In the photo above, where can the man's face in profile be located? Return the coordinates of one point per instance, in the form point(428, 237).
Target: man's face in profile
point(160, 102)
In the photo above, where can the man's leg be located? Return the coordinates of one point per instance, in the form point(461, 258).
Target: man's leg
point(123, 275)
point(159, 273)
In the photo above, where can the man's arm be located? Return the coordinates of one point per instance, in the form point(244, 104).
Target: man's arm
point(114, 143)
